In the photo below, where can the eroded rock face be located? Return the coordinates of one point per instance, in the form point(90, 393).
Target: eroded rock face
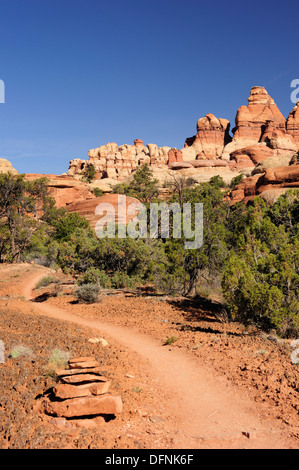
point(273, 182)
point(88, 208)
point(292, 124)
point(118, 162)
point(260, 133)
point(260, 121)
point(212, 135)
point(6, 167)
point(64, 189)
point(251, 156)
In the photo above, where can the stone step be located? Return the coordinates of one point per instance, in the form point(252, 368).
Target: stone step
point(70, 379)
point(100, 405)
point(66, 391)
point(83, 364)
point(81, 359)
point(88, 370)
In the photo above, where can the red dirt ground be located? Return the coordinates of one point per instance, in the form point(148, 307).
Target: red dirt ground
point(216, 386)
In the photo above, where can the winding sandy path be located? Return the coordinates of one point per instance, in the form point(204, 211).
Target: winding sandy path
point(211, 413)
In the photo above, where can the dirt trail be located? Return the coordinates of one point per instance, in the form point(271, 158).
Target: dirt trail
point(210, 412)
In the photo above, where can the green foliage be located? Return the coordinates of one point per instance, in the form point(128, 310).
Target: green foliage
point(217, 182)
point(261, 278)
point(88, 293)
point(97, 192)
point(95, 276)
point(68, 224)
point(171, 340)
point(20, 351)
point(21, 202)
point(44, 282)
point(121, 280)
point(89, 173)
point(251, 251)
point(58, 359)
point(143, 186)
point(236, 180)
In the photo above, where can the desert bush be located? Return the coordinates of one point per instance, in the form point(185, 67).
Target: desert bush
point(122, 280)
point(20, 350)
point(88, 293)
point(44, 282)
point(171, 340)
point(97, 192)
point(58, 359)
point(94, 276)
point(261, 277)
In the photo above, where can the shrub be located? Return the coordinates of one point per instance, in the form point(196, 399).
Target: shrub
point(44, 282)
point(236, 180)
point(171, 340)
point(89, 173)
point(97, 192)
point(94, 276)
point(88, 293)
point(20, 350)
point(121, 280)
point(58, 359)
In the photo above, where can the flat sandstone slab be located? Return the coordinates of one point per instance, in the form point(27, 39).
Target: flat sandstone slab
point(104, 405)
point(89, 370)
point(81, 359)
point(83, 364)
point(69, 379)
point(65, 391)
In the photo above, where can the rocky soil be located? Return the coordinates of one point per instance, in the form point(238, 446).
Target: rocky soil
point(247, 363)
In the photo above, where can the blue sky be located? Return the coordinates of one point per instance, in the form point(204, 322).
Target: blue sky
point(81, 73)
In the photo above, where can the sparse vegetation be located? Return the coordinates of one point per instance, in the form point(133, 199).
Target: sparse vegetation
point(171, 340)
point(58, 359)
point(44, 282)
point(88, 293)
point(20, 351)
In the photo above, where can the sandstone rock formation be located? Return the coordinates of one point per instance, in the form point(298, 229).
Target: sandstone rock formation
point(64, 189)
point(118, 162)
point(261, 121)
point(292, 124)
point(261, 134)
point(82, 392)
point(6, 167)
point(270, 184)
point(249, 157)
point(119, 214)
point(212, 135)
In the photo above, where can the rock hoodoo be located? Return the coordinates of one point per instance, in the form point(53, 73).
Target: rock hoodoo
point(212, 135)
point(261, 132)
point(292, 124)
point(261, 122)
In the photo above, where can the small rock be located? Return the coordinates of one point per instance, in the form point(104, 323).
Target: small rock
point(249, 434)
